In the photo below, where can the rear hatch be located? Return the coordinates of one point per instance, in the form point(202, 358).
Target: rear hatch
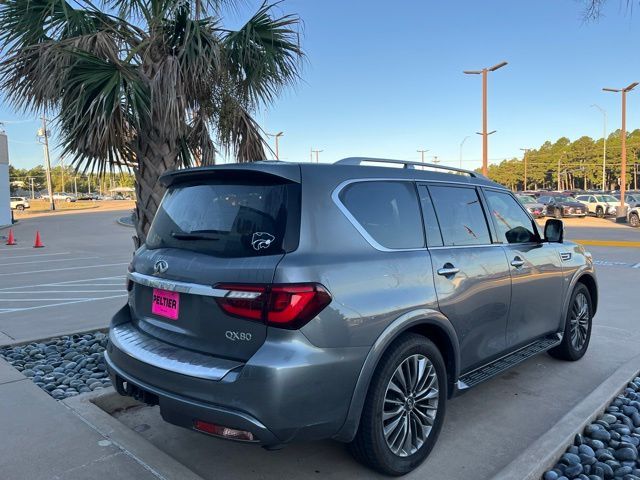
point(214, 229)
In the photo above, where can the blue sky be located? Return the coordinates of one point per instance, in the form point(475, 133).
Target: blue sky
point(385, 79)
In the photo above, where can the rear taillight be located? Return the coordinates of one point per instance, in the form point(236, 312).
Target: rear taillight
point(286, 306)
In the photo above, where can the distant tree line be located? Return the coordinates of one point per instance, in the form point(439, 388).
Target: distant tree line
point(568, 165)
point(65, 179)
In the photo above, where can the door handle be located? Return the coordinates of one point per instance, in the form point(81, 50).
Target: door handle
point(448, 269)
point(517, 262)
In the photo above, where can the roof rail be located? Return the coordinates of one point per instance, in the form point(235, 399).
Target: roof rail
point(406, 163)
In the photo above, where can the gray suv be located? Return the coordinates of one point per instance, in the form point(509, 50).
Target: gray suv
point(275, 302)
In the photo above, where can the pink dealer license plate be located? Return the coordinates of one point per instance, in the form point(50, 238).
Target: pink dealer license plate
point(165, 303)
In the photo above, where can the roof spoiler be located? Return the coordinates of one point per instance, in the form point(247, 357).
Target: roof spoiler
point(235, 171)
point(407, 164)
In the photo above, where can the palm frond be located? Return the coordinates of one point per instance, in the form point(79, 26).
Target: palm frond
point(238, 132)
point(264, 55)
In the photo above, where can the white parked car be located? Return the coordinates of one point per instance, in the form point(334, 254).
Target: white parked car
point(633, 217)
point(67, 197)
point(19, 203)
point(600, 205)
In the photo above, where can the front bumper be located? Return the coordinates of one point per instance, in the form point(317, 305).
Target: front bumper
point(289, 390)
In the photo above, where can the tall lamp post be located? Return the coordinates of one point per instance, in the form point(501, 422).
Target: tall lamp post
point(422, 152)
point(621, 214)
point(604, 149)
point(461, 144)
point(485, 134)
point(317, 152)
point(524, 157)
point(277, 137)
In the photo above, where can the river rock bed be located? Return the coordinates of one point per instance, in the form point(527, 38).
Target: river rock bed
point(608, 447)
point(64, 366)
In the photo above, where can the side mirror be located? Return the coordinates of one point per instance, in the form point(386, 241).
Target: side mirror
point(554, 231)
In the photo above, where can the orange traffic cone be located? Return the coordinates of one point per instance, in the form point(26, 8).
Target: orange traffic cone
point(38, 242)
point(11, 240)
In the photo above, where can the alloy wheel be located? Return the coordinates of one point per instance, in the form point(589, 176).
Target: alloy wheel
point(410, 405)
point(579, 321)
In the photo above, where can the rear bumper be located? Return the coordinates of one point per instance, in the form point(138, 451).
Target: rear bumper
point(289, 390)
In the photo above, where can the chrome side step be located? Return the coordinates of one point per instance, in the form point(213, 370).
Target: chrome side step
point(502, 364)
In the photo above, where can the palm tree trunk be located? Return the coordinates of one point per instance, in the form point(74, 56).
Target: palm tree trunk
point(154, 158)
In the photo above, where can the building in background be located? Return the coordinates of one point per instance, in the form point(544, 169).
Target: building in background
point(5, 207)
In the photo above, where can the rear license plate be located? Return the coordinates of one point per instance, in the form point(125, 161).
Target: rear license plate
point(165, 303)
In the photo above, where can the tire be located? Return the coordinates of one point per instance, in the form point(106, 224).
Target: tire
point(370, 446)
point(558, 214)
point(571, 349)
point(68, 200)
point(634, 220)
point(20, 207)
point(599, 212)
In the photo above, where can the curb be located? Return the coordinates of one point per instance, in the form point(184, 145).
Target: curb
point(94, 409)
point(123, 223)
point(18, 343)
point(545, 451)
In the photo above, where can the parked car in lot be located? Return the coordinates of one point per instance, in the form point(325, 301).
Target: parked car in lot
point(560, 206)
point(66, 197)
point(276, 302)
point(633, 217)
point(88, 196)
point(599, 205)
point(19, 203)
point(535, 208)
point(632, 199)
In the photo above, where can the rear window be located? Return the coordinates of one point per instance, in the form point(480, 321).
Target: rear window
point(228, 219)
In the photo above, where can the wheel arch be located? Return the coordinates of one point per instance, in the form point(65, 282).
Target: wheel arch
point(589, 281)
point(427, 322)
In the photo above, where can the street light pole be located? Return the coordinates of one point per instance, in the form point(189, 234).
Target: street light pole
point(422, 152)
point(524, 157)
point(485, 135)
point(277, 137)
point(621, 214)
point(461, 144)
point(317, 152)
point(604, 149)
point(45, 145)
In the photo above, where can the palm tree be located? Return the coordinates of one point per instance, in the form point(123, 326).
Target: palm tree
point(151, 85)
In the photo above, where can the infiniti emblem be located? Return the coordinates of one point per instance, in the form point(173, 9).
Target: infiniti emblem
point(160, 266)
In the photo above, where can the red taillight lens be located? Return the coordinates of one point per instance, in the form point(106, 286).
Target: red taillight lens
point(286, 306)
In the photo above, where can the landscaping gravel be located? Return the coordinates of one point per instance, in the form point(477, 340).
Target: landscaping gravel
point(63, 366)
point(608, 447)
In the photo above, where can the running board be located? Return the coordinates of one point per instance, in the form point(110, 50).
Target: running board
point(500, 365)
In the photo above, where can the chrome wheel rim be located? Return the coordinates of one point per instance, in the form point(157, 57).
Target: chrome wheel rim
point(410, 405)
point(579, 321)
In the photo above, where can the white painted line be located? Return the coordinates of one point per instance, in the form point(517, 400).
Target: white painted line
point(46, 299)
point(119, 284)
point(18, 248)
point(48, 261)
point(59, 304)
point(29, 292)
point(39, 255)
point(637, 265)
point(60, 283)
point(63, 269)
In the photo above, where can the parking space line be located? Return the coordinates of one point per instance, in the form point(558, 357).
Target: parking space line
point(35, 255)
point(45, 299)
point(29, 292)
point(61, 283)
point(18, 310)
point(48, 261)
point(64, 269)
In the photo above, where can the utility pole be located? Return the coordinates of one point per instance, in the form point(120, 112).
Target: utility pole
point(89, 183)
point(316, 152)
point(484, 133)
point(524, 157)
point(621, 214)
point(33, 193)
point(435, 159)
point(461, 144)
point(62, 173)
point(311, 154)
point(75, 185)
point(422, 152)
point(45, 145)
point(604, 149)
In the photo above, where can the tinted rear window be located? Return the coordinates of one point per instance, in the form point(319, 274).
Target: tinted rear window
point(388, 211)
point(228, 219)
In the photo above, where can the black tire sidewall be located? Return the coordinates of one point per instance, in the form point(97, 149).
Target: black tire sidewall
point(558, 213)
point(637, 220)
point(573, 353)
point(403, 348)
point(599, 212)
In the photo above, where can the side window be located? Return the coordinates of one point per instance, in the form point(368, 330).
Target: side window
point(592, 199)
point(388, 211)
point(512, 223)
point(431, 227)
point(460, 214)
point(544, 199)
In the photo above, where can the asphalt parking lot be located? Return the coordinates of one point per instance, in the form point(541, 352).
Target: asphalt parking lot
point(79, 285)
point(74, 283)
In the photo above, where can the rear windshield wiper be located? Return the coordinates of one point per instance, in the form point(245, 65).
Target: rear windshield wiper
point(195, 236)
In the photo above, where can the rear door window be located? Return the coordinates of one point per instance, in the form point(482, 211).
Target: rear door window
point(460, 214)
point(228, 219)
point(388, 211)
point(513, 225)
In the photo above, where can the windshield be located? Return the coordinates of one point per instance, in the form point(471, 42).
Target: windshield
point(526, 199)
point(607, 198)
point(228, 219)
